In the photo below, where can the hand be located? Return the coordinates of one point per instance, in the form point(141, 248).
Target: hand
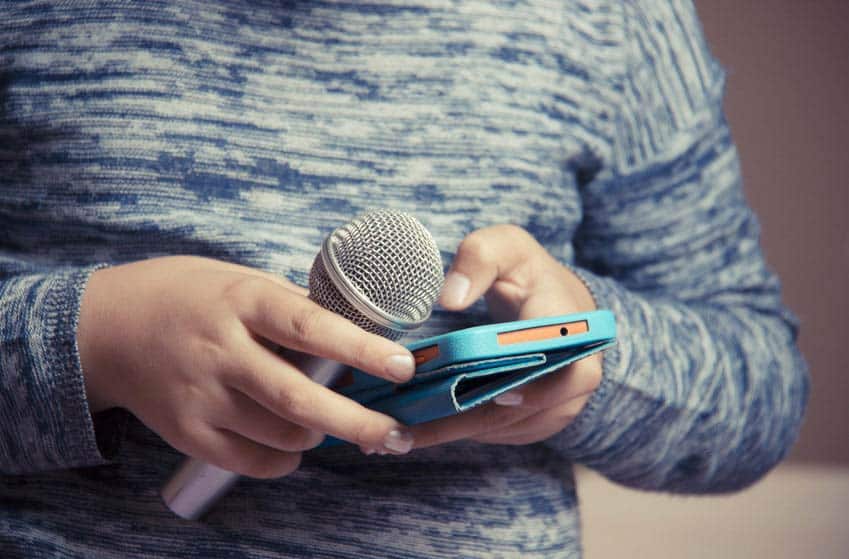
point(519, 280)
point(187, 345)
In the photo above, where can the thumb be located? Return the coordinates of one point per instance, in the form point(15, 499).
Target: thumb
point(491, 255)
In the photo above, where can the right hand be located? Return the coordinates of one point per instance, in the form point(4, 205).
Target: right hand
point(187, 345)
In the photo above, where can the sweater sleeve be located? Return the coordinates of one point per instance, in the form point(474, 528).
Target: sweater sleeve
point(45, 421)
point(706, 388)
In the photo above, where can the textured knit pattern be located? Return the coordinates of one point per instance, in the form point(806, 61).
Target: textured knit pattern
point(246, 131)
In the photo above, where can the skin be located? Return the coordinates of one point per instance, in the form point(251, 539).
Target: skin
point(519, 280)
point(187, 345)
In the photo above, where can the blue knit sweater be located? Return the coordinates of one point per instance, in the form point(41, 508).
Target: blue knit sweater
point(246, 131)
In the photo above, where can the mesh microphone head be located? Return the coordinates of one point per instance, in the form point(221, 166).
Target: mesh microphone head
point(382, 271)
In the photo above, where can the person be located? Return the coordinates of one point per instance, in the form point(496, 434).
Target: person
point(169, 170)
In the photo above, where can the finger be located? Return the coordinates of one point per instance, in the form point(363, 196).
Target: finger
point(512, 439)
point(552, 390)
point(537, 427)
point(485, 256)
point(235, 453)
point(295, 322)
point(287, 393)
point(473, 423)
point(245, 417)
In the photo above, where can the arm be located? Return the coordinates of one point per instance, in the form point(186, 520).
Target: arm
point(707, 388)
point(185, 344)
point(44, 417)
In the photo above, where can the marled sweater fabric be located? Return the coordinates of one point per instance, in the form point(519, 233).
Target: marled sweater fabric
point(246, 131)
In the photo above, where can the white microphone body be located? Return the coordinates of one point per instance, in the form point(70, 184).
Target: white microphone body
point(404, 279)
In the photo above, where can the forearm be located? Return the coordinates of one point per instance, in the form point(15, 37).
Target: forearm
point(697, 397)
point(706, 388)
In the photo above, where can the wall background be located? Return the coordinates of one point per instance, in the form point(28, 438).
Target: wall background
point(787, 99)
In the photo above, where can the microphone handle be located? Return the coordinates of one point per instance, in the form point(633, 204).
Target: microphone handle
point(197, 485)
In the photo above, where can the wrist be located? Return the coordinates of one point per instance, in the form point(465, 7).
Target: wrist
point(92, 334)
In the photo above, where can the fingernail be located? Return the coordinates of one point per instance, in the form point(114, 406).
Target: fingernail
point(509, 399)
point(399, 442)
point(454, 290)
point(368, 451)
point(400, 367)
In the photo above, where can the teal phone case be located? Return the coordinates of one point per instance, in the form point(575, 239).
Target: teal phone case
point(466, 368)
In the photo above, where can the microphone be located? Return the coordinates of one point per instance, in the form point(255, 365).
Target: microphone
point(383, 272)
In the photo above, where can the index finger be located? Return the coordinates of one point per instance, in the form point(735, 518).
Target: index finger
point(296, 322)
point(288, 393)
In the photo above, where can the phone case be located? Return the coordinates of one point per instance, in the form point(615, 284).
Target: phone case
point(466, 368)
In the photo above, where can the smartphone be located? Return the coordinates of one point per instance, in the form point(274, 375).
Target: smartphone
point(490, 350)
point(539, 335)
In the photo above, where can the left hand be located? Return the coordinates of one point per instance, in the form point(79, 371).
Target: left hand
point(519, 280)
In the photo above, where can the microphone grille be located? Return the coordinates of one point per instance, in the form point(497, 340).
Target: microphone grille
point(389, 267)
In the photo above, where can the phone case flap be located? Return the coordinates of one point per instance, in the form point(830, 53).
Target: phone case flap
point(367, 392)
point(469, 391)
point(458, 388)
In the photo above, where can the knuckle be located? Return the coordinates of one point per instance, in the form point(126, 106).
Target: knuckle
point(362, 354)
point(475, 245)
point(240, 376)
point(295, 403)
point(263, 463)
point(241, 464)
point(184, 434)
point(274, 464)
point(365, 435)
point(516, 232)
point(311, 440)
point(305, 324)
point(487, 245)
point(300, 439)
point(243, 291)
point(214, 349)
point(360, 435)
point(255, 464)
point(287, 463)
point(511, 229)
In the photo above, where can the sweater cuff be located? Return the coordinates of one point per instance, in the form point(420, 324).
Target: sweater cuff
point(583, 436)
point(59, 432)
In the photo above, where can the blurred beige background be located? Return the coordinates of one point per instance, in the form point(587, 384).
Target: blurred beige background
point(787, 99)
